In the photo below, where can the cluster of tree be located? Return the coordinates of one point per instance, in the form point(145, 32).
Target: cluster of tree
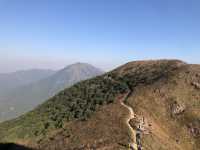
point(77, 102)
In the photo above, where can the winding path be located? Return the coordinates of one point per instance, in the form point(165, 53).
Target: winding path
point(131, 115)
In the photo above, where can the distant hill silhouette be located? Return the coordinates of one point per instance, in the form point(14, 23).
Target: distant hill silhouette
point(10, 81)
point(25, 98)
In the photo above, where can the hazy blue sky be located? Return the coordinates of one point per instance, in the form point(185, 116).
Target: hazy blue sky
point(106, 33)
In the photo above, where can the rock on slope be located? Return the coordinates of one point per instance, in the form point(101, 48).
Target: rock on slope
point(89, 115)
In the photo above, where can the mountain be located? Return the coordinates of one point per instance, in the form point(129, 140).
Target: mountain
point(151, 105)
point(9, 81)
point(25, 98)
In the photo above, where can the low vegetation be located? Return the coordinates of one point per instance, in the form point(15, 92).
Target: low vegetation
point(77, 102)
point(156, 95)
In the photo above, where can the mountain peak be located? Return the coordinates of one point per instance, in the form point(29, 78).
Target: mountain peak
point(160, 95)
point(79, 64)
point(37, 92)
point(82, 67)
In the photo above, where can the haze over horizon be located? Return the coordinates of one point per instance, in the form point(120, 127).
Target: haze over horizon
point(105, 33)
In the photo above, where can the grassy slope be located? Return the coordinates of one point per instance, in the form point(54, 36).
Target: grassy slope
point(154, 102)
point(105, 129)
point(77, 102)
point(88, 113)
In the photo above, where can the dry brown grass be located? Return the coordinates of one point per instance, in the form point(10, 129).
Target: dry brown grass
point(153, 102)
point(105, 130)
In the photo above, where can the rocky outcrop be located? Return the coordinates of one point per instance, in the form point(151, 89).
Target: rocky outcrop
point(194, 128)
point(177, 108)
point(196, 85)
point(141, 124)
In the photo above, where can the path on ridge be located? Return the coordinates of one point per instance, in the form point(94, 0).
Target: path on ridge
point(130, 116)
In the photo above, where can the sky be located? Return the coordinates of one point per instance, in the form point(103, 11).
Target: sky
point(105, 33)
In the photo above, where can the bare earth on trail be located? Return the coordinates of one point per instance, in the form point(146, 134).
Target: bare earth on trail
point(130, 116)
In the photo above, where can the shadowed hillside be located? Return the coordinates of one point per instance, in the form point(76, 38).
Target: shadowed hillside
point(11, 146)
point(163, 94)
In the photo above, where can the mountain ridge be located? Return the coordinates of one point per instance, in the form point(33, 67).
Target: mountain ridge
point(19, 78)
point(27, 97)
point(89, 115)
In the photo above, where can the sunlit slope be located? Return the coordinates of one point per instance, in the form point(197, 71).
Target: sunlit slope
point(164, 95)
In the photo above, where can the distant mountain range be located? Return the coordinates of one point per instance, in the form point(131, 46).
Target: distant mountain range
point(142, 105)
point(33, 87)
point(9, 81)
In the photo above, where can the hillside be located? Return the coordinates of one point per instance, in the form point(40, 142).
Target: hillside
point(25, 98)
point(9, 81)
point(164, 96)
